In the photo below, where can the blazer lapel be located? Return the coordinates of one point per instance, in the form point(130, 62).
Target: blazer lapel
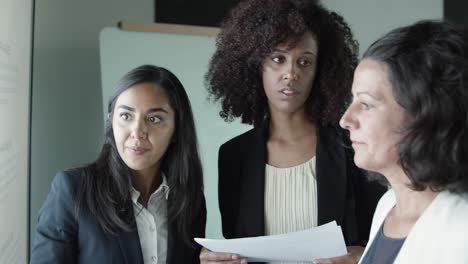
point(331, 175)
point(129, 241)
point(171, 244)
point(252, 186)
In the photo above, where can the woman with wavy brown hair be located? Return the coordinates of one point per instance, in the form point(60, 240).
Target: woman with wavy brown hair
point(409, 123)
point(285, 67)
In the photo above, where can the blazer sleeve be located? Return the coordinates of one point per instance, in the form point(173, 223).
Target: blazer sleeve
point(228, 189)
point(56, 230)
point(199, 230)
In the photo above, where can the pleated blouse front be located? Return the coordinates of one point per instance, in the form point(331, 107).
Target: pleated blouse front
point(290, 198)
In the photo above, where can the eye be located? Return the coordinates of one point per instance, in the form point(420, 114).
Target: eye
point(365, 106)
point(125, 116)
point(278, 59)
point(305, 62)
point(154, 119)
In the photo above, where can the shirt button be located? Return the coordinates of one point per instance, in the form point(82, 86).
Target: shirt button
point(154, 258)
point(152, 228)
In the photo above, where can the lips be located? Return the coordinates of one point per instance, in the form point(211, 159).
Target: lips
point(137, 150)
point(289, 91)
point(355, 142)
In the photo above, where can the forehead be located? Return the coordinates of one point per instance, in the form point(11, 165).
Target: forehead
point(373, 77)
point(307, 42)
point(143, 95)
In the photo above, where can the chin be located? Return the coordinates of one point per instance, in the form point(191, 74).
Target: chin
point(362, 163)
point(139, 167)
point(136, 166)
point(291, 109)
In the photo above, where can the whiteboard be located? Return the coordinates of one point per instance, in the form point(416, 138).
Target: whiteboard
point(187, 56)
point(15, 64)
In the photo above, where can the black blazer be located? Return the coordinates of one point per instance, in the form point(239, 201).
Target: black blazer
point(343, 193)
point(63, 238)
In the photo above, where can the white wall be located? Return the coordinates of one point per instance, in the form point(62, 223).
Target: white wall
point(371, 19)
point(15, 66)
point(67, 116)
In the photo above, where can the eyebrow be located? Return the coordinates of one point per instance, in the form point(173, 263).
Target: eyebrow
point(378, 98)
point(151, 110)
point(286, 51)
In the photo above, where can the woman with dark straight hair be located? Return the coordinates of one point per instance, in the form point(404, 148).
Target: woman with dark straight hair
point(142, 200)
point(408, 122)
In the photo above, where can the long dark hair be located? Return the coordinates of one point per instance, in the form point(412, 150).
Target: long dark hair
point(105, 186)
point(428, 69)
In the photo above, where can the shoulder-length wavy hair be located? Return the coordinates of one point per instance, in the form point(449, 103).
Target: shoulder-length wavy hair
point(428, 71)
point(250, 33)
point(105, 188)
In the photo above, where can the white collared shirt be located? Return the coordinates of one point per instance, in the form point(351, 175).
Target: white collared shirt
point(152, 224)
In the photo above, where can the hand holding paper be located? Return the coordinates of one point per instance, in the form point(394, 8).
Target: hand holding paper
point(324, 241)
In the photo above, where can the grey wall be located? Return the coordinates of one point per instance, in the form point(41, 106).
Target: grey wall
point(371, 19)
point(66, 126)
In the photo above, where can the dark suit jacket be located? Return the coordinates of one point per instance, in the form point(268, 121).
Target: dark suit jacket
point(343, 193)
point(61, 237)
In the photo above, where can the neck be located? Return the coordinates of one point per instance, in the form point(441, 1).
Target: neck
point(146, 183)
point(286, 126)
point(410, 204)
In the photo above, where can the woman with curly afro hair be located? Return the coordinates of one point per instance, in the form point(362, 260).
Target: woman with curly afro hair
point(286, 67)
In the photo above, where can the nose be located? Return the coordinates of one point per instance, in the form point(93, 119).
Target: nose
point(290, 72)
point(139, 129)
point(289, 77)
point(348, 121)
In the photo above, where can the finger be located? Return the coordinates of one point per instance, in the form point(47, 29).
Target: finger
point(356, 251)
point(237, 261)
point(346, 259)
point(322, 261)
point(207, 255)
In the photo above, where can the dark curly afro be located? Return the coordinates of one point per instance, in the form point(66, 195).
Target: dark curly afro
point(250, 33)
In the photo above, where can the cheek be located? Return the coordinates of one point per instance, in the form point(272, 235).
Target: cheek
point(269, 77)
point(269, 91)
point(391, 146)
point(309, 80)
point(383, 149)
point(162, 139)
point(120, 136)
point(116, 133)
point(267, 84)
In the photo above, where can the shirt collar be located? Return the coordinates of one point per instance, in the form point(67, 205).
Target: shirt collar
point(163, 187)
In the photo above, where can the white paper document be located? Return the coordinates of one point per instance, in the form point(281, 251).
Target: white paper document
point(324, 241)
